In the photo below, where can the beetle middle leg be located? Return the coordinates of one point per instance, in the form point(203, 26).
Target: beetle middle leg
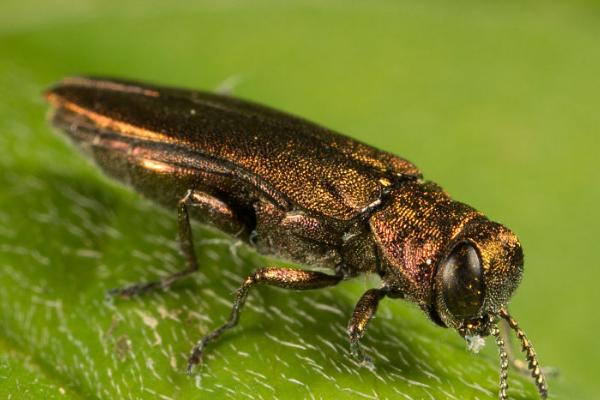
point(364, 311)
point(213, 210)
point(287, 278)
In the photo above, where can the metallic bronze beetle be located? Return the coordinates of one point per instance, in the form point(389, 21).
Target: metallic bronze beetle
point(304, 193)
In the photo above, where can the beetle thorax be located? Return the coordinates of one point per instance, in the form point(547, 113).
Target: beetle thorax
point(412, 232)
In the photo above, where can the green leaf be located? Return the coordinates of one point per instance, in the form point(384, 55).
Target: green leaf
point(68, 235)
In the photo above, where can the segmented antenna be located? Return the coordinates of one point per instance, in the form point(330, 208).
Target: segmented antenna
point(503, 393)
point(527, 348)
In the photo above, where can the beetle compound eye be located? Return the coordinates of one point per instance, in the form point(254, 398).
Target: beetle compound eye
point(462, 278)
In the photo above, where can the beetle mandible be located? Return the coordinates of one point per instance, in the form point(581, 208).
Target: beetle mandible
point(301, 192)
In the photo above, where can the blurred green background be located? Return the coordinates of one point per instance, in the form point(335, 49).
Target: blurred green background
point(495, 101)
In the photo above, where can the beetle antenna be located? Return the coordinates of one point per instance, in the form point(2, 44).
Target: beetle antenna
point(503, 394)
point(527, 348)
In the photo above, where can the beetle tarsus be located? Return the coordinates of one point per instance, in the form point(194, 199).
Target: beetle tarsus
point(186, 244)
point(196, 356)
point(141, 288)
point(364, 311)
point(286, 278)
point(360, 357)
point(135, 290)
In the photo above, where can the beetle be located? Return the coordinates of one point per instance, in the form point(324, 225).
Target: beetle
point(301, 192)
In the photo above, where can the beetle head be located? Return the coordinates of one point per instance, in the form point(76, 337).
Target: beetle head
point(477, 276)
point(473, 282)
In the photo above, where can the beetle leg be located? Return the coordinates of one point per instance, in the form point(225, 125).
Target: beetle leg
point(282, 277)
point(363, 312)
point(211, 208)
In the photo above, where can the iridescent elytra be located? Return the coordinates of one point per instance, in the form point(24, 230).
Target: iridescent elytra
point(300, 192)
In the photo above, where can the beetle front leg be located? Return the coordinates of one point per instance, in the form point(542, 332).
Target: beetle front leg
point(213, 210)
point(282, 277)
point(363, 313)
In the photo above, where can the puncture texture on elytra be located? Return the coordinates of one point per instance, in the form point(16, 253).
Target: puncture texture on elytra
point(298, 191)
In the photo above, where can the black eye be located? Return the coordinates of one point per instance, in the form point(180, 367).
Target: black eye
point(463, 282)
